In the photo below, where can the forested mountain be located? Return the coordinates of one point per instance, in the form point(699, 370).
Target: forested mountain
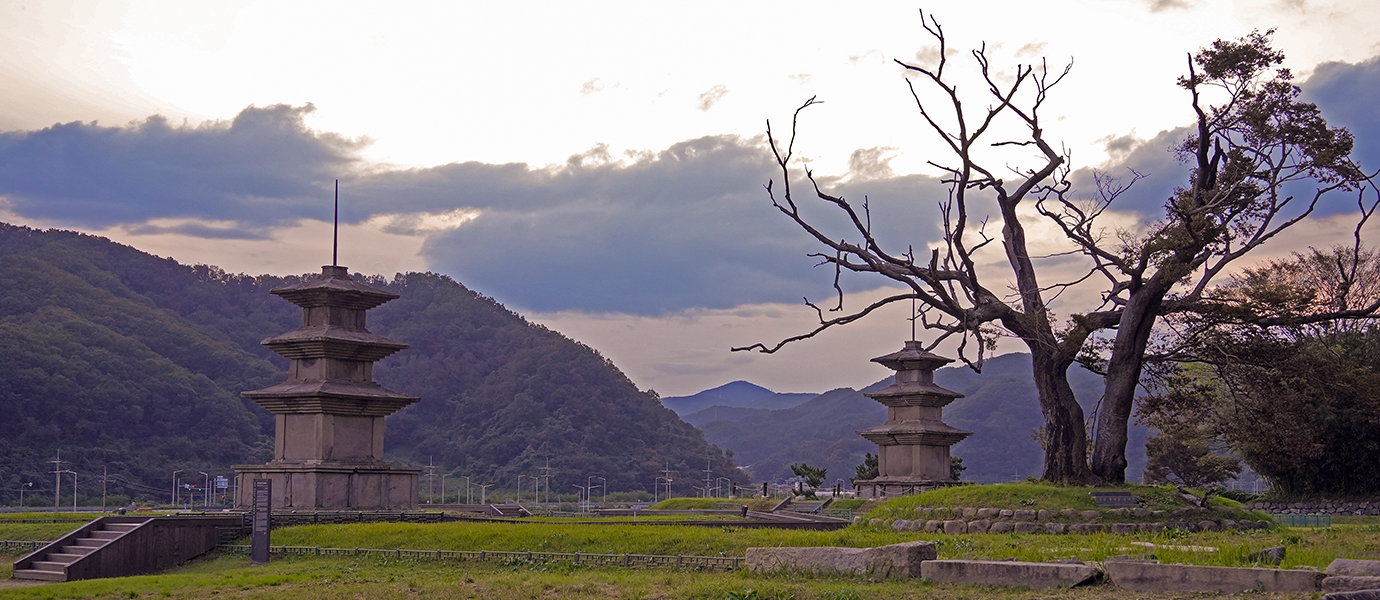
point(999, 406)
point(738, 394)
point(133, 364)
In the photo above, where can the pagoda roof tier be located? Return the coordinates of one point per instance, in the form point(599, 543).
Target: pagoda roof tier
point(912, 432)
point(333, 397)
point(912, 357)
point(317, 405)
point(333, 342)
point(914, 393)
point(333, 288)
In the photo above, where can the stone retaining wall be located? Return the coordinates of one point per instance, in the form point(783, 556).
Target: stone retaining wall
point(960, 520)
point(1317, 508)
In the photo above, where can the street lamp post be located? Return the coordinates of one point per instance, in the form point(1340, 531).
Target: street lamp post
point(174, 494)
point(21, 493)
point(717, 486)
point(584, 490)
point(443, 488)
point(536, 490)
point(604, 485)
point(467, 489)
point(483, 489)
point(205, 489)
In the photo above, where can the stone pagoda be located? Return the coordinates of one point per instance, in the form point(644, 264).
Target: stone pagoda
point(913, 444)
point(328, 438)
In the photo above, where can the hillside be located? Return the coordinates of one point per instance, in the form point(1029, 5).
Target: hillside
point(738, 394)
point(999, 406)
point(134, 364)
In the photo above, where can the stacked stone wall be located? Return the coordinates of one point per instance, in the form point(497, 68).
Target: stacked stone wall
point(960, 520)
point(1317, 508)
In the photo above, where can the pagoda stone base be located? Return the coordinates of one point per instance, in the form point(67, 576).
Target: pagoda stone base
point(332, 486)
point(883, 488)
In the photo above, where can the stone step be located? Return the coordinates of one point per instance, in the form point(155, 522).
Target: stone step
point(40, 575)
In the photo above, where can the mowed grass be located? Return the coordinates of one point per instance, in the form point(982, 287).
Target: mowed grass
point(331, 578)
point(12, 529)
point(1304, 547)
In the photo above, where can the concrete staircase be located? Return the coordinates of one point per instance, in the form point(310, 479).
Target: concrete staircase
point(119, 546)
point(52, 562)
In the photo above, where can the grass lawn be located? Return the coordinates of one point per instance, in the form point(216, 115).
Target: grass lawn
point(224, 574)
point(330, 578)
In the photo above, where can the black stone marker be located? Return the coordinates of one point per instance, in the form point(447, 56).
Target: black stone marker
point(263, 513)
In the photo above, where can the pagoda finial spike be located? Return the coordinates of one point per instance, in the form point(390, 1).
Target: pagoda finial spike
point(335, 230)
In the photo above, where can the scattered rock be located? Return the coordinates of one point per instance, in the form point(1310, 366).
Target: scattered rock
point(1123, 527)
point(979, 526)
point(899, 525)
point(1055, 527)
point(1024, 515)
point(1001, 527)
point(1272, 556)
point(1025, 527)
point(988, 513)
point(1006, 513)
point(1090, 515)
point(955, 527)
point(1044, 514)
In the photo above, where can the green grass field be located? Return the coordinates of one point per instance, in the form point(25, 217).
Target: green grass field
point(224, 574)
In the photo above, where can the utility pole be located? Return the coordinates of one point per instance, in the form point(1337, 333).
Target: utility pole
point(57, 478)
point(668, 472)
point(708, 481)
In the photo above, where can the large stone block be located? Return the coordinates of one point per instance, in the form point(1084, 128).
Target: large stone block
point(894, 561)
point(1356, 595)
point(955, 527)
point(1354, 568)
point(1349, 583)
point(986, 572)
point(1151, 577)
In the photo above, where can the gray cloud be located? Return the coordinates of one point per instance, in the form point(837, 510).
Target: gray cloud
point(687, 226)
point(1163, 5)
point(1346, 94)
point(259, 169)
point(711, 97)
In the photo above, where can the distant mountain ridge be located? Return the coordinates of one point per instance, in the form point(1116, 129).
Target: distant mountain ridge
point(1000, 406)
point(737, 394)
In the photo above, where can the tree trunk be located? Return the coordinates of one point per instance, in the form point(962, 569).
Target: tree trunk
point(1066, 441)
point(1121, 382)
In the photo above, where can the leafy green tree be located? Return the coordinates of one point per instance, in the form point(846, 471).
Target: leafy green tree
point(1300, 403)
point(1253, 156)
point(866, 471)
point(956, 467)
point(813, 475)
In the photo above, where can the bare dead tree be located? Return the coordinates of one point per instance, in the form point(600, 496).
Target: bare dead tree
point(1246, 151)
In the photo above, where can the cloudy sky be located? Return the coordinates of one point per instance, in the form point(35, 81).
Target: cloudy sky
point(596, 166)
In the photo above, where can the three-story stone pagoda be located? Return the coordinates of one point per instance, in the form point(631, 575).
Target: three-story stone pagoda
point(328, 438)
point(913, 444)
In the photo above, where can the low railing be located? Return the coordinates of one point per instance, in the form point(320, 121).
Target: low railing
point(1289, 520)
point(26, 546)
point(646, 561)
